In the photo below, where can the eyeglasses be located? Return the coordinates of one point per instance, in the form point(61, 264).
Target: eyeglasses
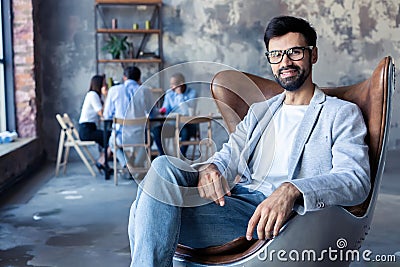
point(294, 53)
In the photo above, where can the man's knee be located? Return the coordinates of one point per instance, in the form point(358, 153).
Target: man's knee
point(172, 170)
point(161, 163)
point(169, 165)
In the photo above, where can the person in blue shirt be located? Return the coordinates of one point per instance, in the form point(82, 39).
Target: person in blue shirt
point(179, 99)
point(128, 101)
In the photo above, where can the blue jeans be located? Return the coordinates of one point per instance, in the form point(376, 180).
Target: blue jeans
point(168, 210)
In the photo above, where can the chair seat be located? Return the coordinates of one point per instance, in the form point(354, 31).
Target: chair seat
point(230, 252)
point(80, 143)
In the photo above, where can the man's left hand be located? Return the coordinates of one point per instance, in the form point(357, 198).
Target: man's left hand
point(272, 213)
point(178, 90)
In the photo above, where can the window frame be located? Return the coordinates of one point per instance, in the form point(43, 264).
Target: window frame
point(8, 116)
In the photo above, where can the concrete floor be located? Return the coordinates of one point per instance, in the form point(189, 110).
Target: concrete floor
point(72, 220)
point(79, 220)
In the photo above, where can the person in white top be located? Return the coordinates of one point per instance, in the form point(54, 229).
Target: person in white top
point(92, 110)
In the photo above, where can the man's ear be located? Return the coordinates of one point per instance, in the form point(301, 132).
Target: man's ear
point(314, 55)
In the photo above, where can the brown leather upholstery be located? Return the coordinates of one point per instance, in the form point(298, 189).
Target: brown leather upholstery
point(371, 96)
point(230, 252)
point(235, 92)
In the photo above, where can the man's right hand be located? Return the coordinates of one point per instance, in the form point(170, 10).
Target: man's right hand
point(212, 184)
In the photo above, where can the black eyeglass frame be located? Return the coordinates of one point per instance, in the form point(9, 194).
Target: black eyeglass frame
point(288, 52)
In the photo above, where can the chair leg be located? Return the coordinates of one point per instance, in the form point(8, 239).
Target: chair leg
point(148, 157)
point(207, 153)
point(193, 150)
point(82, 156)
point(66, 155)
point(115, 165)
point(90, 155)
point(177, 147)
point(60, 151)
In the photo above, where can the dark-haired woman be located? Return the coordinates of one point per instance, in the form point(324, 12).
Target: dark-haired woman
point(92, 110)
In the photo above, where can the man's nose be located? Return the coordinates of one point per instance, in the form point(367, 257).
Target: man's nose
point(286, 60)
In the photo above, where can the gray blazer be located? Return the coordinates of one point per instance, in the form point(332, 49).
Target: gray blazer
point(329, 162)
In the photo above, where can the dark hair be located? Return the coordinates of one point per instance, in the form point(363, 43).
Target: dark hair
point(96, 83)
point(282, 25)
point(132, 73)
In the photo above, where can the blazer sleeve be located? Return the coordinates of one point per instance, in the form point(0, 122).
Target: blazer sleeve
point(348, 182)
point(235, 150)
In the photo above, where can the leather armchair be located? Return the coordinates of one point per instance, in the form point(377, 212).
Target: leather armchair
point(337, 228)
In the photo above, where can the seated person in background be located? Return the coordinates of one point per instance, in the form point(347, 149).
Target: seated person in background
point(175, 101)
point(92, 110)
point(128, 101)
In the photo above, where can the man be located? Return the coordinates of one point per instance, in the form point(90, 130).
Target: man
point(179, 99)
point(128, 101)
point(320, 159)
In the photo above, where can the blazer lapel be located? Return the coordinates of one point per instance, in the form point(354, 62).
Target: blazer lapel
point(305, 129)
point(263, 122)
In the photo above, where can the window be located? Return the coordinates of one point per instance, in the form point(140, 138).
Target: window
point(2, 83)
point(7, 114)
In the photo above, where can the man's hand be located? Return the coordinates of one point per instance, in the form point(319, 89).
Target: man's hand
point(178, 89)
point(271, 214)
point(212, 184)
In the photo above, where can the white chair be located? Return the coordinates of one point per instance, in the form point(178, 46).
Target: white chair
point(129, 148)
point(69, 137)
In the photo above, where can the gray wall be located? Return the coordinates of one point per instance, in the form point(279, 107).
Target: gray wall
point(353, 36)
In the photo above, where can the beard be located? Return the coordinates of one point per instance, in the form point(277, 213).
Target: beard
point(292, 83)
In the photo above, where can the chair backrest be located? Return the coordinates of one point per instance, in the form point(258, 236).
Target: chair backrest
point(140, 121)
point(130, 122)
point(68, 127)
point(181, 119)
point(71, 126)
point(61, 121)
point(235, 91)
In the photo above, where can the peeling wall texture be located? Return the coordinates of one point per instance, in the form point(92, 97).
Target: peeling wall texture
point(353, 36)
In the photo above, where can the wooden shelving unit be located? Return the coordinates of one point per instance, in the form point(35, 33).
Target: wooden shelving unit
point(155, 21)
point(133, 60)
point(129, 31)
point(129, 2)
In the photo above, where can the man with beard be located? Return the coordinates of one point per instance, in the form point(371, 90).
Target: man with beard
point(301, 150)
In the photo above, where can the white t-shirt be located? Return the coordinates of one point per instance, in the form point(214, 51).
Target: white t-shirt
point(91, 106)
point(270, 161)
